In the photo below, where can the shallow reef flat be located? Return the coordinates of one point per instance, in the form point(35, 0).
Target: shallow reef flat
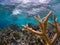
point(13, 35)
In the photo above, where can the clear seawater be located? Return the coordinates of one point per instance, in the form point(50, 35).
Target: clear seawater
point(7, 18)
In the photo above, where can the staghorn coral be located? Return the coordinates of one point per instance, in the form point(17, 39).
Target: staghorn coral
point(43, 29)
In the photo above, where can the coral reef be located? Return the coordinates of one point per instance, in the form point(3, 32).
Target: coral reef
point(44, 33)
point(13, 35)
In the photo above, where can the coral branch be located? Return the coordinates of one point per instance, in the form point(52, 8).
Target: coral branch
point(40, 22)
point(46, 39)
point(33, 31)
point(54, 38)
point(57, 26)
point(46, 18)
point(53, 25)
point(46, 21)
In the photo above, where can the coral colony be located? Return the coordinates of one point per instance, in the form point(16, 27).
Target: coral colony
point(43, 29)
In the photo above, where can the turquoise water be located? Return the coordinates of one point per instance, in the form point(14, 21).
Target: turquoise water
point(6, 17)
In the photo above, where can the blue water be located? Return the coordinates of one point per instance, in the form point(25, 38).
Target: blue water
point(6, 17)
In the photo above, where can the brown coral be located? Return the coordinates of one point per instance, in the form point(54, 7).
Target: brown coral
point(43, 27)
